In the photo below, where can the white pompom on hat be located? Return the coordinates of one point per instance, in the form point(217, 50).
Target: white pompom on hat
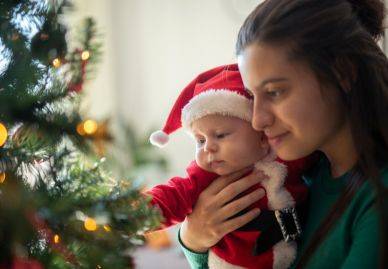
point(216, 91)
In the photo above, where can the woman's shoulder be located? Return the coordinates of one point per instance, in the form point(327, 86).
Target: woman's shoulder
point(384, 175)
point(364, 200)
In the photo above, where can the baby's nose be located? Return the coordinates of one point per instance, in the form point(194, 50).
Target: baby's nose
point(210, 146)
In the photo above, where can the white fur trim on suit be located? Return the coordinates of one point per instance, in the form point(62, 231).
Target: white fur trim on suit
point(277, 195)
point(284, 254)
point(223, 102)
point(215, 262)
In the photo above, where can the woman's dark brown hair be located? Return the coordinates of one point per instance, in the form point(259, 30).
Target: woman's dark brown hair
point(337, 39)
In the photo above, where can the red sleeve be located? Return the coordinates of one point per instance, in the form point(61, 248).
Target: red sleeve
point(177, 197)
point(174, 199)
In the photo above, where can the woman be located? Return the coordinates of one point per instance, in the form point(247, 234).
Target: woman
point(323, 87)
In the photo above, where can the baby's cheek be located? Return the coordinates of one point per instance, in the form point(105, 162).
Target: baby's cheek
point(200, 159)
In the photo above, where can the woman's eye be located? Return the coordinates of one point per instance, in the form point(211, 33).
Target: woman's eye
point(249, 92)
point(274, 93)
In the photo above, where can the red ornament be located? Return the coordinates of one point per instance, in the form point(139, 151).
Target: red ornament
point(78, 85)
point(22, 263)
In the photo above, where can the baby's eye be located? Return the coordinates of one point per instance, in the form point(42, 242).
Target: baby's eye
point(201, 141)
point(222, 135)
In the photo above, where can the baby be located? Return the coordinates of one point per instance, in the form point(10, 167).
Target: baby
point(217, 111)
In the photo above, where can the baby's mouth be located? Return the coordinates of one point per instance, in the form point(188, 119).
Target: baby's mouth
point(216, 163)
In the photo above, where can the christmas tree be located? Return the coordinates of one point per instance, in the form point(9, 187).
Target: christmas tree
point(58, 207)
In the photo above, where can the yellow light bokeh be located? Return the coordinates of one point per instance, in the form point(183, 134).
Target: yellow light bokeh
point(85, 55)
point(57, 62)
point(107, 228)
point(56, 239)
point(80, 129)
point(3, 134)
point(90, 224)
point(2, 177)
point(90, 127)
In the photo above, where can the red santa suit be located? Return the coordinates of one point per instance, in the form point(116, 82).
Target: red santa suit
point(221, 91)
point(284, 189)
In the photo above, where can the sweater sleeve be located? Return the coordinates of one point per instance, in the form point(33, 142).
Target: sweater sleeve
point(366, 231)
point(364, 248)
point(195, 259)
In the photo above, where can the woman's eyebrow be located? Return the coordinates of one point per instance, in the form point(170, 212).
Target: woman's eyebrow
point(271, 80)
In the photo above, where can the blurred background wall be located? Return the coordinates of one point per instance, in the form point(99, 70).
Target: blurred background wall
point(152, 49)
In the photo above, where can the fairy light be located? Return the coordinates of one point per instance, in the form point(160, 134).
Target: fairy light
point(2, 177)
point(80, 129)
point(85, 55)
point(3, 134)
point(56, 239)
point(107, 228)
point(90, 224)
point(57, 62)
point(90, 127)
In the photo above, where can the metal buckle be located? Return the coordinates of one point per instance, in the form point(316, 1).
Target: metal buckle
point(281, 215)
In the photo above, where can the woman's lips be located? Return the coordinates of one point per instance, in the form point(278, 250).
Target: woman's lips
point(276, 140)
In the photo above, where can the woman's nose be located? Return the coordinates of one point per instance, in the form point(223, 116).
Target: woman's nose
point(262, 116)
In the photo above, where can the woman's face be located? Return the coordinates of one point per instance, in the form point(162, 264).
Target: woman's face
point(297, 113)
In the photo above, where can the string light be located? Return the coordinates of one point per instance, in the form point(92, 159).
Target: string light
point(107, 228)
point(98, 266)
point(85, 55)
point(90, 224)
point(57, 62)
point(15, 37)
point(80, 129)
point(56, 239)
point(44, 36)
point(2, 178)
point(90, 127)
point(3, 134)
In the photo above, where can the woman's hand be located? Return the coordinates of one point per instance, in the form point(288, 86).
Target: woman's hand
point(209, 221)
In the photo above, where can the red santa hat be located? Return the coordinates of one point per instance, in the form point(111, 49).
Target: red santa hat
point(216, 91)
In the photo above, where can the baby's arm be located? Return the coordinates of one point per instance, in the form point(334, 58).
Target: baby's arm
point(174, 199)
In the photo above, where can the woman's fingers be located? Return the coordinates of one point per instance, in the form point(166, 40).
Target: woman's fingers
point(237, 222)
point(237, 187)
point(238, 205)
point(210, 219)
point(223, 181)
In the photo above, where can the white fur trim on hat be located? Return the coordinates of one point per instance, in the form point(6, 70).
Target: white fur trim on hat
point(159, 138)
point(223, 102)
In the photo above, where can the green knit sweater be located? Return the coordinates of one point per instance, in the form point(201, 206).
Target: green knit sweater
point(353, 241)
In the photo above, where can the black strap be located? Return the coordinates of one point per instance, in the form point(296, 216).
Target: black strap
point(269, 227)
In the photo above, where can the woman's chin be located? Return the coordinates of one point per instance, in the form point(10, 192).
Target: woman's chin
point(290, 154)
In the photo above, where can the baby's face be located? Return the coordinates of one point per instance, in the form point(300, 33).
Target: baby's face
point(226, 144)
